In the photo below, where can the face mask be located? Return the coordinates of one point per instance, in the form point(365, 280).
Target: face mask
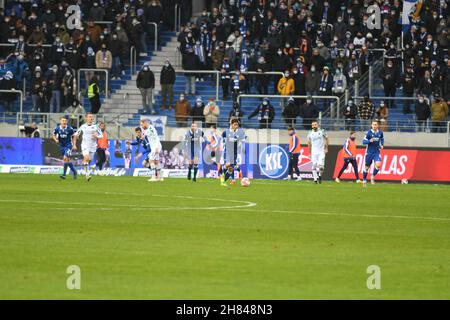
point(265, 103)
point(181, 98)
point(350, 103)
point(421, 100)
point(166, 64)
point(308, 101)
point(286, 75)
point(313, 69)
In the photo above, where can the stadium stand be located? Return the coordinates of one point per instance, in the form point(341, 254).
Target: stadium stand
point(234, 47)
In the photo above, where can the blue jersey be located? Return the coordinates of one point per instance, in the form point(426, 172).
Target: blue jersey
point(375, 146)
point(64, 136)
point(65, 139)
point(144, 143)
point(193, 143)
point(233, 143)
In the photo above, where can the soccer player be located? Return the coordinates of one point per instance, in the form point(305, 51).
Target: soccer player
point(318, 147)
point(142, 140)
point(62, 135)
point(193, 145)
point(349, 157)
point(233, 141)
point(102, 146)
point(374, 142)
point(294, 152)
point(90, 133)
point(155, 145)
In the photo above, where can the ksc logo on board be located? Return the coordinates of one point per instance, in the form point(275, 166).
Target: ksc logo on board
point(273, 161)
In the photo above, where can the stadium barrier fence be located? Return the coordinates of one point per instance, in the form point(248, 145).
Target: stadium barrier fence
point(260, 161)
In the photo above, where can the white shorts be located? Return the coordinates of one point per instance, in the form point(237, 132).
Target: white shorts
point(88, 151)
point(154, 154)
point(318, 159)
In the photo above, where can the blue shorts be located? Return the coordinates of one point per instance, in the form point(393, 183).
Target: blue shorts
point(372, 157)
point(66, 151)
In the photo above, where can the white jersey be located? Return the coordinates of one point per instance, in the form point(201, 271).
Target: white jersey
point(317, 140)
point(88, 141)
point(152, 136)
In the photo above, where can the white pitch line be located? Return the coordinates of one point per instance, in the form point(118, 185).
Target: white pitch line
point(244, 204)
point(351, 215)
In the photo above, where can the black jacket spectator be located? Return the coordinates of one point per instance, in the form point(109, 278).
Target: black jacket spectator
point(197, 112)
point(145, 79)
point(266, 114)
point(167, 75)
point(236, 112)
point(309, 111)
point(290, 112)
point(190, 61)
point(423, 111)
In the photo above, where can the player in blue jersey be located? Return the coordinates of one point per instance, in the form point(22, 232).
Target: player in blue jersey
point(374, 142)
point(142, 141)
point(193, 140)
point(233, 142)
point(62, 135)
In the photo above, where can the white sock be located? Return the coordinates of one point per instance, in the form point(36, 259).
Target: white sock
point(314, 172)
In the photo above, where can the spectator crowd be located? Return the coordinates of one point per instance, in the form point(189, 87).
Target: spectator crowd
point(41, 51)
point(319, 48)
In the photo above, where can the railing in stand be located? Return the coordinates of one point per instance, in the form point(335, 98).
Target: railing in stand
point(156, 34)
point(133, 60)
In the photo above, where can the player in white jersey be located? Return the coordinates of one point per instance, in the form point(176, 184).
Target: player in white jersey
point(318, 147)
point(90, 132)
point(155, 144)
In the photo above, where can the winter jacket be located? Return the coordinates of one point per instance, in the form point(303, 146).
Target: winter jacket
point(312, 82)
point(439, 111)
point(182, 110)
point(286, 86)
point(145, 79)
point(103, 60)
point(423, 111)
point(167, 75)
point(211, 112)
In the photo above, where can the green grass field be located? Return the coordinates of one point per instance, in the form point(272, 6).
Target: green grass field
point(180, 240)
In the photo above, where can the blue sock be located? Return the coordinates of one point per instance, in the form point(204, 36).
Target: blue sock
point(65, 168)
point(227, 175)
point(375, 171)
point(364, 175)
point(72, 168)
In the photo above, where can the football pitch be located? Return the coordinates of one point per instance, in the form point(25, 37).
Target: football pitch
point(132, 239)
